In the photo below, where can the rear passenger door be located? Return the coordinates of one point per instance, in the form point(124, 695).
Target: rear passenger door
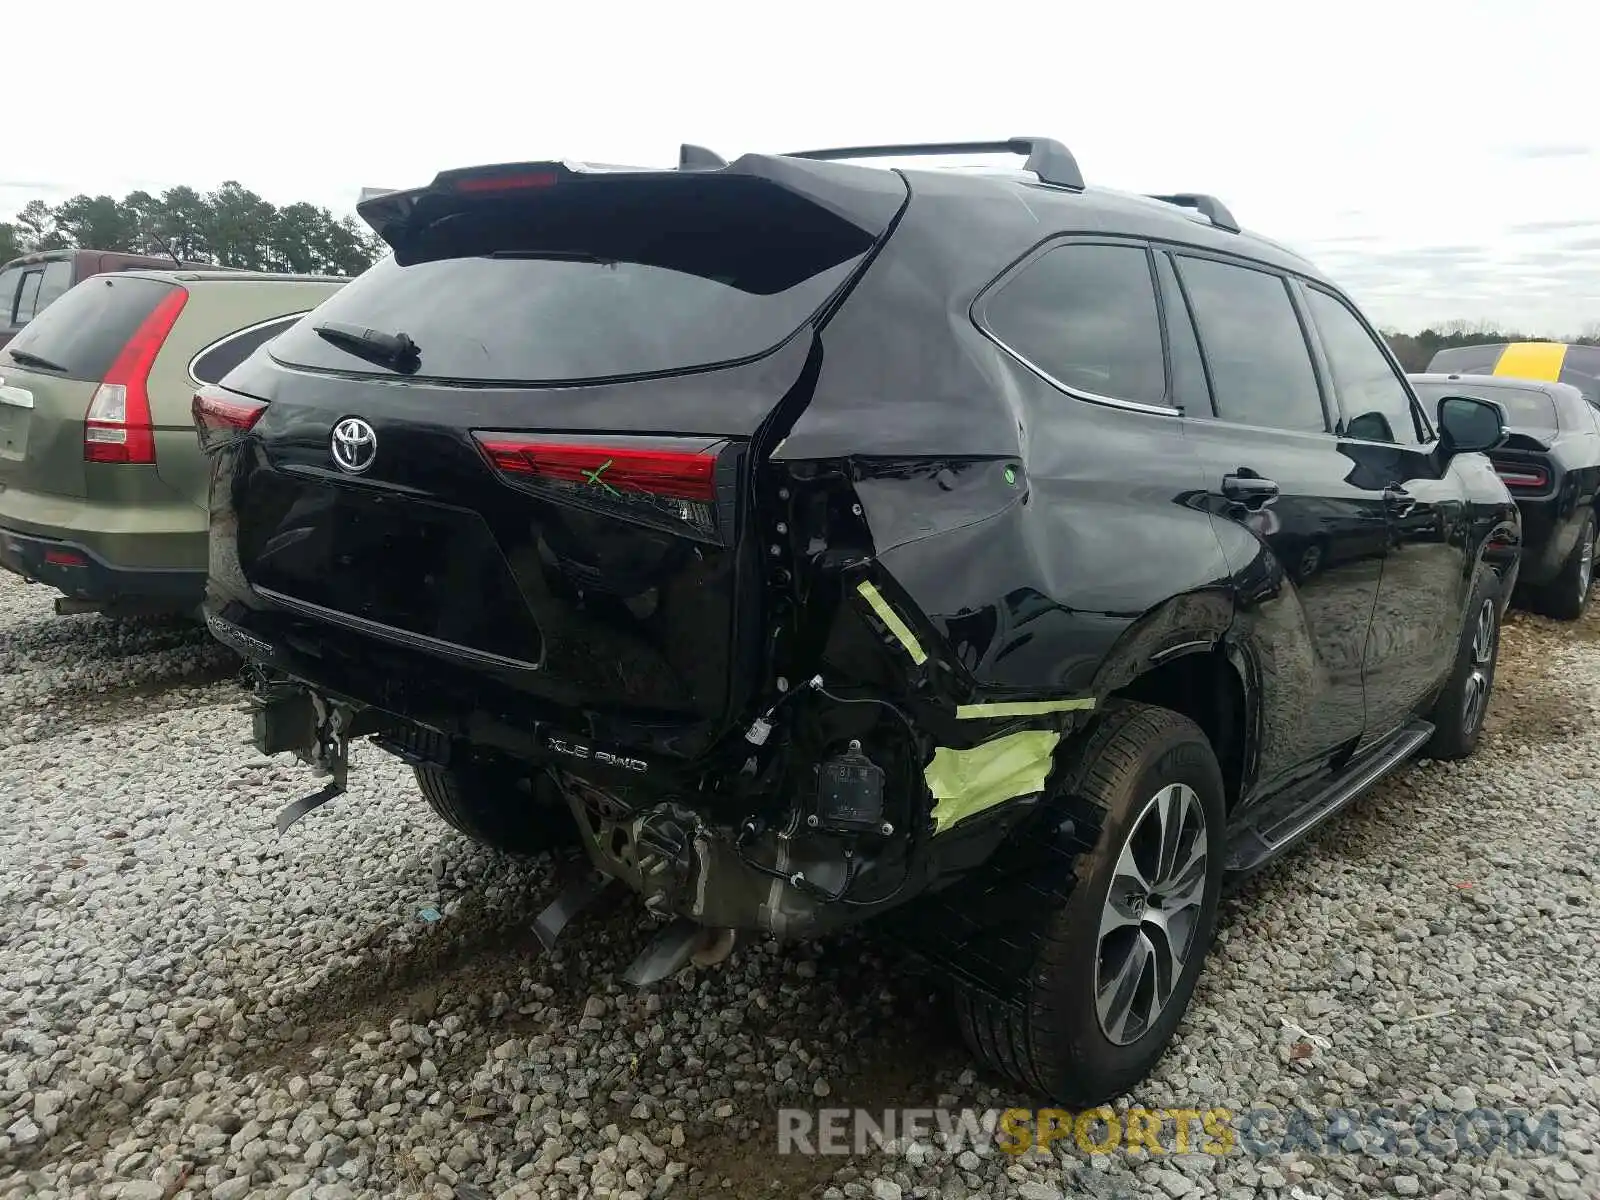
point(1427, 576)
point(1305, 533)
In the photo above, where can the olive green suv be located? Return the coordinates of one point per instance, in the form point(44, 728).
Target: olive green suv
point(102, 483)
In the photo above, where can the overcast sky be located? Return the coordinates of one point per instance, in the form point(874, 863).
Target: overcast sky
point(1440, 158)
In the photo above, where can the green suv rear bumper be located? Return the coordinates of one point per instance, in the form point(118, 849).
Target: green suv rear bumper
point(76, 571)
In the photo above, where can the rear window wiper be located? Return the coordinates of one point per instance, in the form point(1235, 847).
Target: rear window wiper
point(393, 349)
point(26, 358)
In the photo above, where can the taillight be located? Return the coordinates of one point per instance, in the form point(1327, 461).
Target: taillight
point(1522, 475)
point(220, 414)
point(669, 478)
point(117, 428)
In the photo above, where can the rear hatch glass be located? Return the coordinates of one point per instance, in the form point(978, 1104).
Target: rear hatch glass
point(81, 334)
point(591, 283)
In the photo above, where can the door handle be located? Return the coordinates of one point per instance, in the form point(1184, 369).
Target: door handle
point(1248, 487)
point(1397, 500)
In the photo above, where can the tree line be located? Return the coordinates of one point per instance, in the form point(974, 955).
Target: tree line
point(229, 227)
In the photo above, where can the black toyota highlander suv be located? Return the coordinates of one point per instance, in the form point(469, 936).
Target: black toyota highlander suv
point(1003, 560)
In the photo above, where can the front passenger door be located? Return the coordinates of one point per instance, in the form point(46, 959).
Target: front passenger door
point(1427, 575)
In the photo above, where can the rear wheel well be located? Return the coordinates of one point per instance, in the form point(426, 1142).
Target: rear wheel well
point(1205, 688)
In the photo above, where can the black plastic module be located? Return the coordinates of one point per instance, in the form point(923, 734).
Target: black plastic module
point(850, 793)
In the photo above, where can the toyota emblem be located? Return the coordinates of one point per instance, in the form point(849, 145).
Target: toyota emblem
point(354, 445)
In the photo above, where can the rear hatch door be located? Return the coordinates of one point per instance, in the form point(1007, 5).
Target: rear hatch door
point(50, 372)
point(554, 483)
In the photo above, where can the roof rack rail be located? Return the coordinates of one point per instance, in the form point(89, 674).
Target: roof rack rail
point(1207, 206)
point(1051, 161)
point(698, 158)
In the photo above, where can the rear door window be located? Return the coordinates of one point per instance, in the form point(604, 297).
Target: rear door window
point(28, 295)
point(1254, 346)
point(85, 330)
point(1084, 315)
point(57, 279)
point(10, 281)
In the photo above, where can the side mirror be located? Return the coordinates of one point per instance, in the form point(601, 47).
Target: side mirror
point(1469, 423)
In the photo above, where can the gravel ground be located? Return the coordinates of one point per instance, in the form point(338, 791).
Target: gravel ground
point(192, 1005)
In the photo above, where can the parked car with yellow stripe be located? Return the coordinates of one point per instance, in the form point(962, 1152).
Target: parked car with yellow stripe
point(1547, 362)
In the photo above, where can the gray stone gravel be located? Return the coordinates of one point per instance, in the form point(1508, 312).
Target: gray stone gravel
point(59, 673)
point(190, 1005)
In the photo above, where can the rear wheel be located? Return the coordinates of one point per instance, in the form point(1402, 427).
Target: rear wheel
point(1459, 711)
point(497, 805)
point(1567, 595)
point(1117, 962)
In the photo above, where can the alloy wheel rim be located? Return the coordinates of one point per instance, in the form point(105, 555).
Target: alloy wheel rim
point(1585, 566)
point(1151, 914)
point(1484, 633)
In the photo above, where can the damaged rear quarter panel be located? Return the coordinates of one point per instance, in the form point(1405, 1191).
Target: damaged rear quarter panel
point(1051, 542)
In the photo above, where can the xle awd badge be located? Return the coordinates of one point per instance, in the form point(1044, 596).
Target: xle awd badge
point(354, 445)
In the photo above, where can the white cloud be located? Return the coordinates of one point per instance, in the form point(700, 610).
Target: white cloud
point(1377, 129)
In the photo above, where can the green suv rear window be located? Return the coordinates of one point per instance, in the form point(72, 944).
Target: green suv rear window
point(85, 330)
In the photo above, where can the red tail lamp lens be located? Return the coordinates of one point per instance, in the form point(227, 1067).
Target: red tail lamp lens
point(673, 487)
point(220, 414)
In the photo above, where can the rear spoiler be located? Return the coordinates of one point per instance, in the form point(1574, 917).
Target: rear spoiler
point(868, 200)
point(397, 215)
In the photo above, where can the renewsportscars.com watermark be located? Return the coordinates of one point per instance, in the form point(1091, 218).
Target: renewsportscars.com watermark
point(1157, 1131)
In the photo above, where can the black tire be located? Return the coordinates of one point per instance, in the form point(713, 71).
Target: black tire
point(1312, 559)
point(1566, 596)
point(496, 805)
point(1458, 718)
point(1055, 1042)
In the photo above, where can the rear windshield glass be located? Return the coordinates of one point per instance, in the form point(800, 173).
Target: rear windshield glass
point(611, 288)
point(1524, 407)
point(83, 332)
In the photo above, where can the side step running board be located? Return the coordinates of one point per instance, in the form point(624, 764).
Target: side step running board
point(1269, 833)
